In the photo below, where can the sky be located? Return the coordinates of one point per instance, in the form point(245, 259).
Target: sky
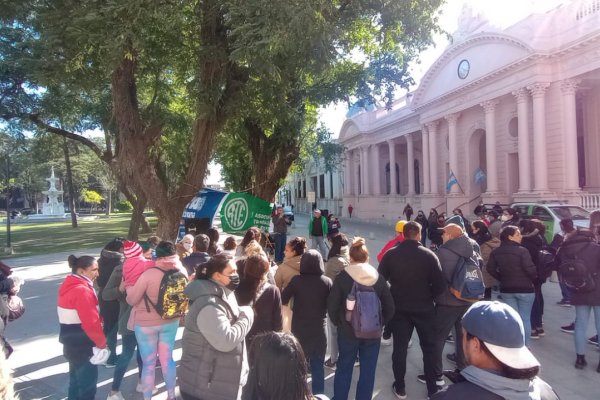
point(501, 13)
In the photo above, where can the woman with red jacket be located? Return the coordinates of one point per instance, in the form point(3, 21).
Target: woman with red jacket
point(81, 327)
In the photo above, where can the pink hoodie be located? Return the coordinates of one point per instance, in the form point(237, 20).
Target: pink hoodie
point(134, 267)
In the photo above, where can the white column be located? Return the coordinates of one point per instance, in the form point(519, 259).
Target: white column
point(376, 172)
point(540, 172)
point(347, 173)
point(489, 108)
point(356, 181)
point(410, 155)
point(361, 172)
point(433, 157)
point(425, 145)
point(318, 188)
point(393, 178)
point(522, 97)
point(452, 147)
point(569, 87)
point(367, 170)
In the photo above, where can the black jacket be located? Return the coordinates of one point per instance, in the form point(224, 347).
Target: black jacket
point(309, 290)
point(193, 260)
point(512, 266)
point(415, 276)
point(435, 234)
point(109, 309)
point(582, 244)
point(364, 274)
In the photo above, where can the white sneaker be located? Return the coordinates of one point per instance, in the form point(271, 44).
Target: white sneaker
point(116, 396)
point(386, 342)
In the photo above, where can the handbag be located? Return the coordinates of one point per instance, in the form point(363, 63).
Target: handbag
point(16, 308)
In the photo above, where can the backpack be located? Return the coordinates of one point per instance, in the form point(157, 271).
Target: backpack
point(545, 264)
point(576, 275)
point(366, 317)
point(172, 302)
point(467, 280)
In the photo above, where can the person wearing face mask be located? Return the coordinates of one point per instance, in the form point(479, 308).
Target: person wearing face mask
point(435, 231)
point(214, 362)
point(510, 216)
point(512, 266)
point(185, 246)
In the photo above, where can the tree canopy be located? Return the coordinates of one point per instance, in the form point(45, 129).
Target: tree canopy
point(164, 80)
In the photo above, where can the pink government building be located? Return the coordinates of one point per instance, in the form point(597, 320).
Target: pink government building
point(511, 115)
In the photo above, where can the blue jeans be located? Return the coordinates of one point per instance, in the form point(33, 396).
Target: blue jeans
point(582, 317)
point(368, 353)
point(318, 243)
point(522, 303)
point(129, 345)
point(317, 370)
point(83, 378)
point(280, 240)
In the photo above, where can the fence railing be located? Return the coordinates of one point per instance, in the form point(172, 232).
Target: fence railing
point(590, 201)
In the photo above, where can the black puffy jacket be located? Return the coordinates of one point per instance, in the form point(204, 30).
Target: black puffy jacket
point(512, 266)
point(582, 244)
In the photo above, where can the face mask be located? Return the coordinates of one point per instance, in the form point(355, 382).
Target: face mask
point(234, 282)
point(504, 217)
point(187, 246)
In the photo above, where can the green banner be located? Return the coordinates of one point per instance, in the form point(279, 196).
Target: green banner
point(241, 211)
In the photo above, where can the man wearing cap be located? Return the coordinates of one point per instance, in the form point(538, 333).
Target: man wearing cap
point(416, 279)
point(317, 231)
point(500, 366)
point(450, 309)
point(280, 224)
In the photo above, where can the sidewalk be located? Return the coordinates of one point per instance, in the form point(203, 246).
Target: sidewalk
point(40, 370)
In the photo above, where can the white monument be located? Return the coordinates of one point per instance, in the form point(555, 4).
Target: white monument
point(52, 209)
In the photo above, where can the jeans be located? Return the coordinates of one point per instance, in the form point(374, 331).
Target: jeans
point(448, 317)
point(318, 243)
point(522, 303)
point(129, 346)
point(332, 341)
point(564, 290)
point(403, 325)
point(582, 317)
point(280, 240)
point(83, 377)
point(537, 310)
point(153, 340)
point(368, 353)
point(317, 370)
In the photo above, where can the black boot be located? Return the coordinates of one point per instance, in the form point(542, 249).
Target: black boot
point(580, 363)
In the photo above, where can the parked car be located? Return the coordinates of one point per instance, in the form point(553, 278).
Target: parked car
point(288, 212)
point(27, 211)
point(551, 213)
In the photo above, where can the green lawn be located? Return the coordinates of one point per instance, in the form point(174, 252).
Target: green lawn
point(41, 238)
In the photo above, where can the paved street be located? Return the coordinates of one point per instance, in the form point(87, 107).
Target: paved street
point(40, 370)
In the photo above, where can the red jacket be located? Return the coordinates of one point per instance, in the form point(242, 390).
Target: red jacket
point(398, 239)
point(80, 322)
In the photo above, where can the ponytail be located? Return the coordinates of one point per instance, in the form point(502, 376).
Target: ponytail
point(216, 263)
point(83, 262)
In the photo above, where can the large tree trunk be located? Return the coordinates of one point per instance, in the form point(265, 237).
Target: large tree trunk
point(272, 158)
point(70, 184)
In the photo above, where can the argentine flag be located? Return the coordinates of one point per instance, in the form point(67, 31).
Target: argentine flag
point(451, 181)
point(479, 176)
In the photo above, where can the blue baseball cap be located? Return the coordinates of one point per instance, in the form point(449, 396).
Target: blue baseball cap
point(500, 327)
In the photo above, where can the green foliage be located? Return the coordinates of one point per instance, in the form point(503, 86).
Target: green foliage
point(124, 206)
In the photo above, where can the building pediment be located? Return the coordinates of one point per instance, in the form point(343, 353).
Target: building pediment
point(465, 64)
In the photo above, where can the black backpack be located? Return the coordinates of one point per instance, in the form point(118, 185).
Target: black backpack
point(172, 302)
point(545, 264)
point(576, 275)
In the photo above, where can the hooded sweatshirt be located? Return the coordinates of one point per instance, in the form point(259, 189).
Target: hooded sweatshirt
point(134, 267)
point(214, 362)
point(366, 275)
point(149, 283)
point(398, 239)
point(483, 384)
point(286, 271)
point(335, 264)
point(80, 322)
point(449, 254)
point(310, 290)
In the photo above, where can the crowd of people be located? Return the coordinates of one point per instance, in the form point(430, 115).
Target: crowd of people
point(256, 328)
